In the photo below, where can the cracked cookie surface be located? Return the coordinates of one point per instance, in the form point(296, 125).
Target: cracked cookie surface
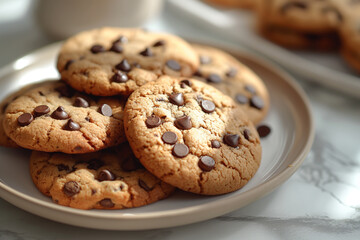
point(192, 136)
point(56, 118)
point(101, 180)
point(231, 77)
point(111, 61)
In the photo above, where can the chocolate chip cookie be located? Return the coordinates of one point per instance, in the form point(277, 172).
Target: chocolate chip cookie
point(5, 141)
point(111, 61)
point(192, 136)
point(233, 78)
point(109, 179)
point(56, 118)
point(300, 23)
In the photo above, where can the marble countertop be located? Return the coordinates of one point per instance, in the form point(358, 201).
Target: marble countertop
point(320, 201)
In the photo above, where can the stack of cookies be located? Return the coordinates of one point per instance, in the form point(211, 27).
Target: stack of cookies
point(136, 115)
point(308, 24)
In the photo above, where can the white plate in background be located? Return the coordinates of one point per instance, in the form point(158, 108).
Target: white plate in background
point(327, 69)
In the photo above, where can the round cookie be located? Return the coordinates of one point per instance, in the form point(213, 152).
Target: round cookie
point(102, 180)
point(300, 23)
point(192, 136)
point(5, 141)
point(56, 118)
point(111, 61)
point(231, 77)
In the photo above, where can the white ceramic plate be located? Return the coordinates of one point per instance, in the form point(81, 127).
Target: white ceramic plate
point(283, 151)
point(327, 69)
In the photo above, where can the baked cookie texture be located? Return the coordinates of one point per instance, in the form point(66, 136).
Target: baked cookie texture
point(301, 23)
point(5, 141)
point(108, 179)
point(192, 136)
point(349, 32)
point(111, 61)
point(56, 118)
point(227, 74)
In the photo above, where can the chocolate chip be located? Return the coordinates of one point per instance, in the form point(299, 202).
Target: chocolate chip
point(146, 52)
point(214, 78)
point(263, 130)
point(215, 144)
point(97, 49)
point(105, 175)
point(106, 202)
point(153, 121)
point(180, 150)
point(242, 99)
point(231, 139)
point(60, 114)
point(62, 167)
point(231, 73)
point(123, 66)
point(174, 65)
point(87, 119)
point(130, 164)
point(183, 123)
point(205, 59)
point(81, 102)
point(41, 110)
point(116, 48)
point(93, 191)
point(293, 4)
point(95, 164)
point(247, 134)
point(105, 110)
point(206, 163)
point(71, 188)
point(198, 73)
point(185, 83)
point(144, 186)
point(71, 126)
point(121, 39)
point(177, 99)
point(169, 137)
point(68, 63)
point(207, 106)
point(65, 91)
point(159, 43)
point(250, 89)
point(256, 102)
point(119, 77)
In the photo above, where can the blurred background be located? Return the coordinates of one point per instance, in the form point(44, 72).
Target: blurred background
point(26, 25)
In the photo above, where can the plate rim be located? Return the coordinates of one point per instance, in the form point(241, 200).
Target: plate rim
point(8, 193)
point(321, 74)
